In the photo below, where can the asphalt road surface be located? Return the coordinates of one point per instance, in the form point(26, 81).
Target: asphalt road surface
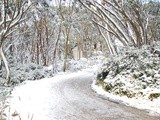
point(70, 98)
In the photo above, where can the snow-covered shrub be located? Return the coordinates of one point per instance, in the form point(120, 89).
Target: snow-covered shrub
point(83, 63)
point(75, 65)
point(23, 72)
point(132, 72)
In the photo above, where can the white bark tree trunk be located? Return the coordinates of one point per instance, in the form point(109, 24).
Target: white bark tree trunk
point(2, 57)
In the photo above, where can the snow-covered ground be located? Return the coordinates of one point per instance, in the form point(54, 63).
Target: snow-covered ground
point(153, 107)
point(45, 99)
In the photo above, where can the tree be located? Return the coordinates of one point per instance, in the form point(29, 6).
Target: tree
point(11, 15)
point(120, 20)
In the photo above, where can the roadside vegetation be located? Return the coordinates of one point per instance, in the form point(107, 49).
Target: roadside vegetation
point(134, 73)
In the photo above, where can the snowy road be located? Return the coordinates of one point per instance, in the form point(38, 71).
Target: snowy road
point(69, 97)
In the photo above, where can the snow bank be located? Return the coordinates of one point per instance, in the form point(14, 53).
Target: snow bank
point(133, 79)
point(153, 107)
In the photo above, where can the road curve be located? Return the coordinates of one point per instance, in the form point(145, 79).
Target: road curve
point(71, 98)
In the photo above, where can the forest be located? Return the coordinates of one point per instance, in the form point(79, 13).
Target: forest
point(42, 38)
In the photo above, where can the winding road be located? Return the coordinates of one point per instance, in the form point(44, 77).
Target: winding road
point(68, 97)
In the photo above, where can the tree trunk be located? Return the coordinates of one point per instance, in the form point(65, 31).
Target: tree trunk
point(66, 48)
point(5, 64)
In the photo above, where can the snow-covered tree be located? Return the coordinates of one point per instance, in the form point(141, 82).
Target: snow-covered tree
point(12, 13)
point(120, 20)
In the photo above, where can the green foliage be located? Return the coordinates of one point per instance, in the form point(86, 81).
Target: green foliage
point(107, 87)
point(135, 76)
point(100, 82)
point(104, 85)
point(154, 96)
point(127, 93)
point(144, 86)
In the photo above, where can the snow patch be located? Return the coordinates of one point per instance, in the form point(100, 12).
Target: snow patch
point(153, 107)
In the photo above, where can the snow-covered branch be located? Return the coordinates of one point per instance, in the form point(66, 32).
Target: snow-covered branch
point(11, 16)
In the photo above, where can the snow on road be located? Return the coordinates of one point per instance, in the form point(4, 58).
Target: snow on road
point(30, 100)
point(68, 97)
